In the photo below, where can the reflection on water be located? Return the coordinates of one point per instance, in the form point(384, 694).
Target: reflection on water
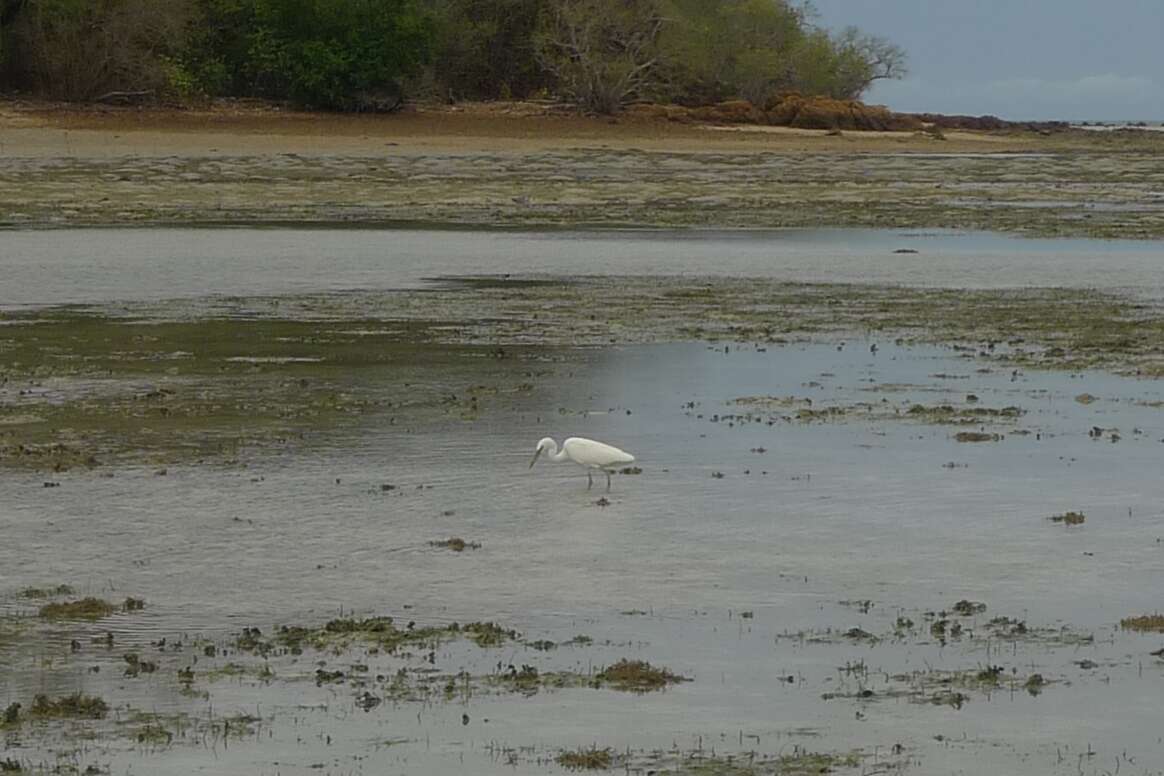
point(89, 265)
point(805, 515)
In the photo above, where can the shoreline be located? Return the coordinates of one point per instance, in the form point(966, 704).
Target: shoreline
point(516, 126)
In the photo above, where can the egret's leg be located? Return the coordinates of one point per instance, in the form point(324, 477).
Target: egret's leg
point(607, 481)
point(589, 480)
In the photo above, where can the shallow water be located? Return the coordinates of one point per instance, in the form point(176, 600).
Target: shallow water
point(865, 509)
point(98, 265)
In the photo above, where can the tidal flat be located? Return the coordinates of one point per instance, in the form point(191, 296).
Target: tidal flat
point(267, 513)
point(232, 524)
point(204, 379)
point(1103, 190)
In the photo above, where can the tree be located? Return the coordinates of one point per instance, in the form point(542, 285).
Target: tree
point(602, 53)
point(354, 54)
point(731, 48)
point(864, 59)
point(216, 55)
point(81, 49)
point(756, 49)
point(485, 48)
point(344, 54)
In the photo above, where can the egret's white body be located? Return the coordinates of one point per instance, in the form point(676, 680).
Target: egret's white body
point(584, 452)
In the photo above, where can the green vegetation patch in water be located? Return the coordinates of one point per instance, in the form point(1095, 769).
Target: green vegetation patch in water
point(1144, 623)
point(380, 632)
point(215, 380)
point(456, 544)
point(76, 706)
point(1069, 518)
point(46, 592)
point(593, 759)
point(795, 763)
point(637, 676)
point(134, 386)
point(84, 609)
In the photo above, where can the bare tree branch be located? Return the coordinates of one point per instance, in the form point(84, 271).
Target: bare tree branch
point(603, 52)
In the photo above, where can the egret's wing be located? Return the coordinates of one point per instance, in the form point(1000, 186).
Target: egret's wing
point(591, 453)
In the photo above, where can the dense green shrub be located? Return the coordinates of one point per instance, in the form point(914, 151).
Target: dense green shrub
point(216, 55)
point(347, 54)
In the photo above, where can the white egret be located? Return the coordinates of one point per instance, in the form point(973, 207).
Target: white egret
point(584, 452)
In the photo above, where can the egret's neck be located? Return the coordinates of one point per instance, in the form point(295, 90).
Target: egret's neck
point(554, 454)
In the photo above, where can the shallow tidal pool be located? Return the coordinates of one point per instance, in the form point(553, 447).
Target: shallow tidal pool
point(792, 566)
point(855, 555)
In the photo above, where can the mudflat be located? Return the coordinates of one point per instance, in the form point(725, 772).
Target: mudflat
point(532, 165)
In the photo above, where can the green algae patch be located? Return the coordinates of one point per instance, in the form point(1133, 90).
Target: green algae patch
point(76, 706)
point(46, 592)
point(162, 392)
point(487, 634)
point(592, 759)
point(1069, 518)
point(153, 735)
point(1144, 623)
point(83, 609)
point(928, 685)
point(456, 544)
point(1058, 328)
point(795, 763)
point(380, 632)
point(218, 380)
point(976, 436)
point(11, 716)
point(946, 414)
point(949, 626)
point(528, 680)
point(636, 676)
point(938, 687)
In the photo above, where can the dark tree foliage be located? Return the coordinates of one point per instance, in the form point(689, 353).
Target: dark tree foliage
point(81, 49)
point(346, 54)
point(484, 49)
point(8, 11)
point(356, 54)
point(217, 55)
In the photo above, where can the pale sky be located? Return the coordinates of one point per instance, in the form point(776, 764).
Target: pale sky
point(1018, 59)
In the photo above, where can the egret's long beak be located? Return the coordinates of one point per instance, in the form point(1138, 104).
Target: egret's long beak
point(535, 458)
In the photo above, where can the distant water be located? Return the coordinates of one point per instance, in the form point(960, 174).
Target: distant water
point(40, 267)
